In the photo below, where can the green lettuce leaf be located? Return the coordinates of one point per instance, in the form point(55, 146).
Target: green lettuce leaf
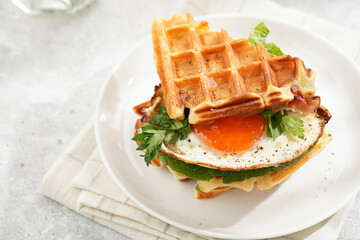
point(259, 34)
point(198, 188)
point(206, 174)
point(273, 49)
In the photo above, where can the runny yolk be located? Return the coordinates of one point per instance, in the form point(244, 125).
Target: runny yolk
point(231, 134)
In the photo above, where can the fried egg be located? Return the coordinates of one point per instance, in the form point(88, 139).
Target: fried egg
point(241, 143)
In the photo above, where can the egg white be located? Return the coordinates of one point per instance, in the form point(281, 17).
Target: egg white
point(264, 153)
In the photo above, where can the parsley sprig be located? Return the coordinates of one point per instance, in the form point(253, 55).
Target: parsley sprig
point(152, 136)
point(279, 123)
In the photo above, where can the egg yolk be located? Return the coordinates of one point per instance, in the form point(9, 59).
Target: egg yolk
point(231, 134)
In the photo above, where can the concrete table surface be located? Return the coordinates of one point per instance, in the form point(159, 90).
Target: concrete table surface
point(51, 70)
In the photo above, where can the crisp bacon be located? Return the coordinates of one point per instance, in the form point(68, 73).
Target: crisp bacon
point(302, 104)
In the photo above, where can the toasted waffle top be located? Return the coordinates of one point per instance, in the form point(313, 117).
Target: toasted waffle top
point(215, 76)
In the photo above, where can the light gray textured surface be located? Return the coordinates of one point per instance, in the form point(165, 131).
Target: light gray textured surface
point(51, 70)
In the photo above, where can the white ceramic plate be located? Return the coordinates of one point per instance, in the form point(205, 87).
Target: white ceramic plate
point(313, 193)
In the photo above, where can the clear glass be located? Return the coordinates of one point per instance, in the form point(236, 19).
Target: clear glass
point(37, 7)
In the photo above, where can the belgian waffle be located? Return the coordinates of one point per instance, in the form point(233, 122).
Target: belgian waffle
point(215, 76)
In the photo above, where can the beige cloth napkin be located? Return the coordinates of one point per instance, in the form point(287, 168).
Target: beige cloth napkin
point(79, 180)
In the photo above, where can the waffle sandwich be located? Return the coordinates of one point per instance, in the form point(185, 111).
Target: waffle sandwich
point(228, 113)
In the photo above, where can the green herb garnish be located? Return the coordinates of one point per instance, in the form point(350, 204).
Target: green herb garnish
point(152, 136)
point(206, 174)
point(259, 34)
point(279, 123)
point(198, 188)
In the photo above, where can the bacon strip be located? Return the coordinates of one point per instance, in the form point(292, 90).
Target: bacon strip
point(302, 104)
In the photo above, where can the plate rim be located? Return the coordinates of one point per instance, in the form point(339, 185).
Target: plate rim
point(175, 223)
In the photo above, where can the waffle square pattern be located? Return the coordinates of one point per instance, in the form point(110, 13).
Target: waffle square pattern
point(216, 76)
